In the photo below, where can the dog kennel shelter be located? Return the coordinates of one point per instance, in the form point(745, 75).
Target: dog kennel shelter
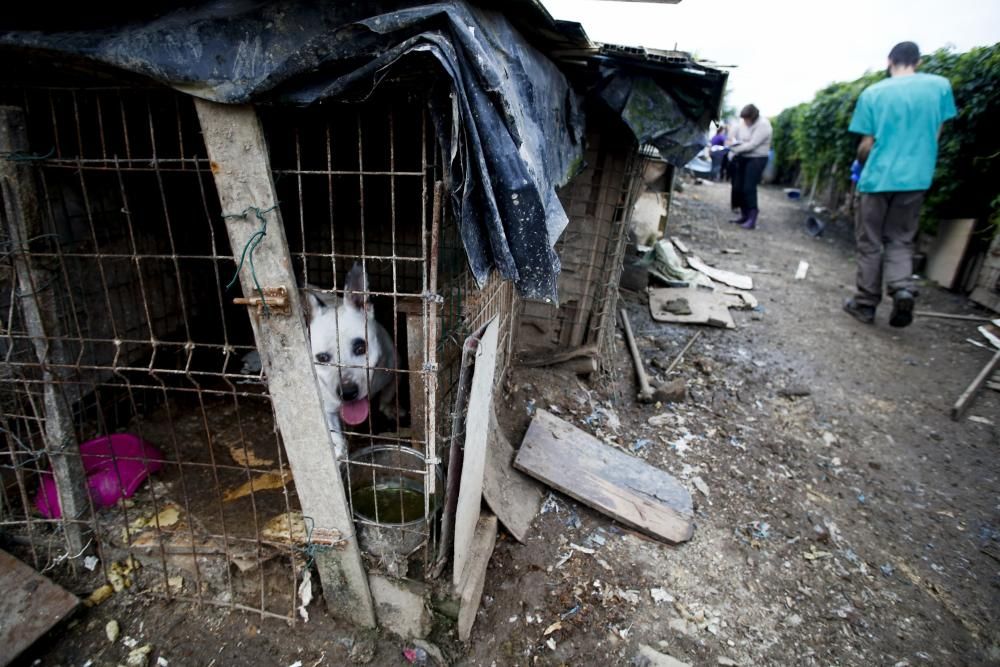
point(178, 182)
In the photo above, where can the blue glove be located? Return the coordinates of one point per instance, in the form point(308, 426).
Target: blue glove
point(856, 168)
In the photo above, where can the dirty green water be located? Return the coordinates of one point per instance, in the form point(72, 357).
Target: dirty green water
point(389, 503)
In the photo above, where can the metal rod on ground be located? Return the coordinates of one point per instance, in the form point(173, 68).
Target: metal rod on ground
point(680, 355)
point(966, 398)
point(645, 391)
point(949, 316)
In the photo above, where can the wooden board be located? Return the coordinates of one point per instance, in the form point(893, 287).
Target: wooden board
point(947, 249)
point(987, 292)
point(241, 169)
point(710, 307)
point(477, 423)
point(514, 497)
point(727, 277)
point(621, 486)
point(470, 589)
point(30, 606)
point(963, 402)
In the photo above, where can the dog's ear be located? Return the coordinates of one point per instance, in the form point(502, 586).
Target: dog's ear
point(356, 287)
point(317, 301)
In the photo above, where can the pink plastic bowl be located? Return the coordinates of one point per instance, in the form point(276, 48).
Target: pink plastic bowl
point(115, 466)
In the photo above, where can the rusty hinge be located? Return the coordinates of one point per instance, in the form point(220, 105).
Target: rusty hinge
point(276, 299)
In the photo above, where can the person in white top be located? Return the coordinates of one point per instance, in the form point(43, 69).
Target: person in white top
point(750, 146)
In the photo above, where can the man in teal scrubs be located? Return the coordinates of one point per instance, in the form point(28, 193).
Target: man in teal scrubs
point(900, 119)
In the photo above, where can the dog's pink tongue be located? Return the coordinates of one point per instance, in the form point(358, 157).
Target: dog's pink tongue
point(354, 412)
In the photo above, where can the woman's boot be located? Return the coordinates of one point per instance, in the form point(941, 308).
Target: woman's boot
point(744, 216)
point(751, 221)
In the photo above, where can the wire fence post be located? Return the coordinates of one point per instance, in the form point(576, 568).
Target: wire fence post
point(39, 307)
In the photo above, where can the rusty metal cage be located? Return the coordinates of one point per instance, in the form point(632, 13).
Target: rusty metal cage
point(118, 319)
point(598, 202)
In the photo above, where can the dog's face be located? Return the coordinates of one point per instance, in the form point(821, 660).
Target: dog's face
point(345, 346)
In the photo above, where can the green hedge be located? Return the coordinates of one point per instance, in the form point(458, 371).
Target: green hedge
point(812, 139)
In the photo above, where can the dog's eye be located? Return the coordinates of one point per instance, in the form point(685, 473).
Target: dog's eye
point(358, 347)
point(323, 358)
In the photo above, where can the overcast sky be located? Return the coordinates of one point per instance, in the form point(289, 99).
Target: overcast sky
point(786, 50)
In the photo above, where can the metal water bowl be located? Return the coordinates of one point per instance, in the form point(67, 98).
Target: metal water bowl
point(387, 497)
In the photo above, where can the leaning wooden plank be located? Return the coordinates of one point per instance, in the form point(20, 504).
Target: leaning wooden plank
point(477, 423)
point(470, 590)
point(621, 486)
point(30, 606)
point(680, 245)
point(242, 172)
point(966, 398)
point(736, 280)
point(515, 498)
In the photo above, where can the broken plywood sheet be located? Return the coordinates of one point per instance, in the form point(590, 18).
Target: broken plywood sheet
point(477, 423)
point(736, 280)
point(621, 486)
point(470, 589)
point(515, 498)
point(710, 307)
point(31, 605)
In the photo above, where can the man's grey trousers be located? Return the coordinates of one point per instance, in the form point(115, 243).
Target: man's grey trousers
point(885, 228)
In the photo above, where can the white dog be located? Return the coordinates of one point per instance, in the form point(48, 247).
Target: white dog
point(354, 356)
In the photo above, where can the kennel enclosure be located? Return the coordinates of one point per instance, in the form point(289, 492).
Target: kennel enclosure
point(129, 209)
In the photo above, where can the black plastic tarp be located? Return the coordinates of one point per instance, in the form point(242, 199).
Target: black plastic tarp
point(518, 132)
point(509, 120)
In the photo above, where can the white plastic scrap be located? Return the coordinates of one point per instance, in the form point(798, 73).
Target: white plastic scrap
point(305, 594)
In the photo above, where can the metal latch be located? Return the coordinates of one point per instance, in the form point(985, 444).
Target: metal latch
point(276, 299)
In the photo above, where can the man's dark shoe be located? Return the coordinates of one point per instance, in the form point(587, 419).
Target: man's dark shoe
point(859, 312)
point(902, 309)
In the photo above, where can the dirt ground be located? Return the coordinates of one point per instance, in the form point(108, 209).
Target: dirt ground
point(841, 517)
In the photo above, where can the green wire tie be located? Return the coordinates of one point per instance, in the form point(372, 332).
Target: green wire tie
point(255, 240)
point(22, 156)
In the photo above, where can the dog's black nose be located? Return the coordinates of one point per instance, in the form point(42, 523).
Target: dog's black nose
point(348, 391)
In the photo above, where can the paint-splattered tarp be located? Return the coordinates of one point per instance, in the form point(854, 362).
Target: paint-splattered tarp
point(509, 120)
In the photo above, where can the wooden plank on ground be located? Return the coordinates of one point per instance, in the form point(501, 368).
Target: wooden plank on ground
point(710, 307)
point(962, 404)
point(30, 606)
point(621, 486)
point(514, 497)
point(470, 589)
point(477, 423)
point(736, 280)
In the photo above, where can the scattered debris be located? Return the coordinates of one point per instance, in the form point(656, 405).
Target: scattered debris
point(673, 391)
point(111, 630)
point(700, 484)
point(415, 655)
point(980, 420)
point(736, 280)
point(649, 657)
point(708, 307)
point(139, 657)
point(660, 595)
point(90, 562)
point(800, 273)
